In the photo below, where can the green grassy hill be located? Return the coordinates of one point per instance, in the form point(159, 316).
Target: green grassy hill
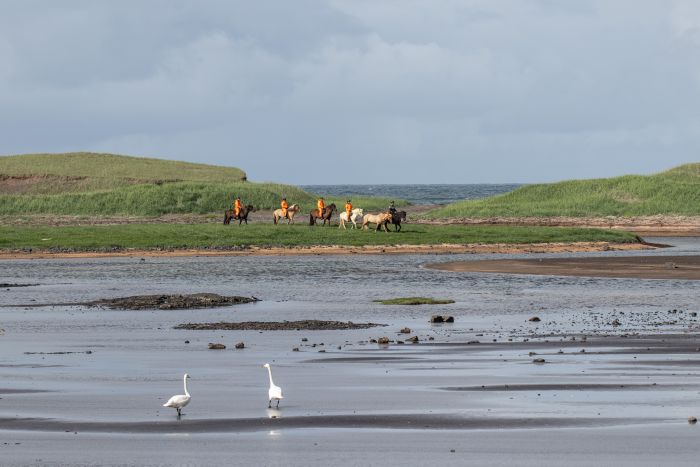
point(88, 184)
point(84, 171)
point(674, 192)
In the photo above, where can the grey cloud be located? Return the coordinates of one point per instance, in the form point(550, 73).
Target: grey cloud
point(451, 91)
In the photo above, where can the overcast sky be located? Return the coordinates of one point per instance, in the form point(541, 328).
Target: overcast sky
point(359, 91)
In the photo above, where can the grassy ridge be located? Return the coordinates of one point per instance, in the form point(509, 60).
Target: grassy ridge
point(114, 167)
point(87, 184)
point(155, 236)
point(676, 191)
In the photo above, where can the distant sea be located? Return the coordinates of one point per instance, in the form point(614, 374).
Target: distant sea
point(416, 194)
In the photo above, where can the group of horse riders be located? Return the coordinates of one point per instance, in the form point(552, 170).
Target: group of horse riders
point(320, 206)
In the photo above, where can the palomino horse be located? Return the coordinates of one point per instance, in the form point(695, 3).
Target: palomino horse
point(354, 215)
point(396, 218)
point(242, 215)
point(381, 219)
point(325, 215)
point(291, 212)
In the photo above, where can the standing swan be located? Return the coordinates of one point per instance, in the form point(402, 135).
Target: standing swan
point(275, 392)
point(179, 401)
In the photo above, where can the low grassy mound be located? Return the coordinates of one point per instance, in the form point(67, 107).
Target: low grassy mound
point(675, 192)
point(414, 301)
point(217, 236)
point(87, 184)
point(85, 171)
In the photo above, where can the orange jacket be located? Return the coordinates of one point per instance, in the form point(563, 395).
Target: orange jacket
point(237, 206)
point(320, 204)
point(284, 205)
point(348, 208)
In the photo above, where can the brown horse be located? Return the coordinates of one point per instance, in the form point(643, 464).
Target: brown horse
point(242, 215)
point(396, 218)
point(325, 215)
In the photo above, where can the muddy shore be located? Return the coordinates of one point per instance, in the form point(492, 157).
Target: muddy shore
point(503, 248)
point(640, 267)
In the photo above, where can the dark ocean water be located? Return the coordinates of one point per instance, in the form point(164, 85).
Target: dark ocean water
point(416, 194)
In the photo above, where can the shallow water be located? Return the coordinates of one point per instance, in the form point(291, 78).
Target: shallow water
point(137, 359)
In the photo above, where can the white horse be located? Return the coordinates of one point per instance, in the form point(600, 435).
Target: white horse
point(380, 219)
point(354, 215)
point(291, 212)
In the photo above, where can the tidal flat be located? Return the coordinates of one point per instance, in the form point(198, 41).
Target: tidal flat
point(82, 385)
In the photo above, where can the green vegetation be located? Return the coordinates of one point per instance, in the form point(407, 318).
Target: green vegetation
point(675, 192)
point(79, 170)
point(173, 236)
point(86, 184)
point(414, 301)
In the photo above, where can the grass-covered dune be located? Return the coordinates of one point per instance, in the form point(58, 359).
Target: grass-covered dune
point(182, 236)
point(88, 184)
point(85, 171)
point(674, 192)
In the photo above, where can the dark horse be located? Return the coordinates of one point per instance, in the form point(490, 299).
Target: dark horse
point(242, 215)
point(325, 215)
point(396, 218)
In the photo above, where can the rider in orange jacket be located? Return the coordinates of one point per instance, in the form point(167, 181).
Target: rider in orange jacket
point(284, 207)
point(348, 209)
point(237, 207)
point(321, 205)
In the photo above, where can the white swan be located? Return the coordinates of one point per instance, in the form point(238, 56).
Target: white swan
point(275, 392)
point(179, 401)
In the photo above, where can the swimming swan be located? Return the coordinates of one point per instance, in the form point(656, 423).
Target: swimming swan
point(179, 401)
point(275, 392)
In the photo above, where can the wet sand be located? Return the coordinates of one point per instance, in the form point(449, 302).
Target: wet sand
point(621, 373)
point(502, 248)
point(640, 267)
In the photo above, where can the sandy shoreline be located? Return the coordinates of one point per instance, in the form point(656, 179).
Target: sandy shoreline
point(640, 267)
point(503, 248)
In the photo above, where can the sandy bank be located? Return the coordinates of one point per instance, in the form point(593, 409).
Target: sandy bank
point(640, 267)
point(651, 226)
point(339, 250)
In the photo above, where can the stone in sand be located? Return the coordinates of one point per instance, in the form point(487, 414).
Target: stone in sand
point(436, 319)
point(413, 340)
point(383, 340)
point(538, 360)
point(448, 319)
point(213, 346)
point(240, 345)
point(535, 319)
point(692, 420)
point(405, 331)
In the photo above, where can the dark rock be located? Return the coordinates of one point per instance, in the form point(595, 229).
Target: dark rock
point(171, 302)
point(535, 319)
point(436, 319)
point(692, 420)
point(187, 342)
point(405, 331)
point(413, 340)
point(240, 345)
point(616, 322)
point(383, 340)
point(538, 360)
point(295, 349)
point(216, 346)
point(307, 325)
point(449, 319)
